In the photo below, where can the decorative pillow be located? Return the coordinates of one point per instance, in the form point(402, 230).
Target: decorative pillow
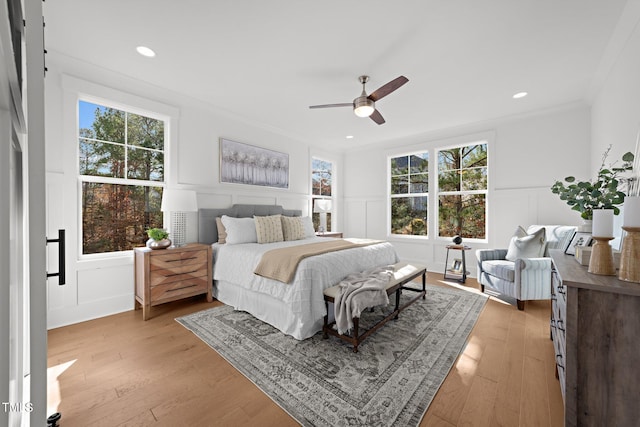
point(307, 223)
point(269, 228)
point(292, 228)
point(222, 232)
point(239, 230)
point(525, 245)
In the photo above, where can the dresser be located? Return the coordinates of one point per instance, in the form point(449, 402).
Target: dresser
point(165, 275)
point(595, 328)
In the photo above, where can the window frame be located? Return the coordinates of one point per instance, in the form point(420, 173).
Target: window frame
point(433, 209)
point(390, 195)
point(108, 103)
point(439, 193)
point(332, 197)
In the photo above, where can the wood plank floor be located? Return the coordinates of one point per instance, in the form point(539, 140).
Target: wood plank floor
point(122, 371)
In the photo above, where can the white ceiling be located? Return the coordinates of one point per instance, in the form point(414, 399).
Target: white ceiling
point(267, 61)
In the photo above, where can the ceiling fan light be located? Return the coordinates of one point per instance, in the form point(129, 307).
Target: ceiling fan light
point(364, 111)
point(363, 106)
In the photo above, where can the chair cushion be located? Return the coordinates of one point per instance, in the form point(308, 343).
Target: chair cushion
point(525, 245)
point(501, 269)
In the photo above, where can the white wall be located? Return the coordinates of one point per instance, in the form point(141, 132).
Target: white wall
point(615, 112)
point(100, 286)
point(526, 155)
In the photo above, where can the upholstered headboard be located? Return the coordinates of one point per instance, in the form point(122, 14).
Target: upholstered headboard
point(208, 230)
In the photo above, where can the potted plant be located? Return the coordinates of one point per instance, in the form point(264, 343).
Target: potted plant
point(158, 238)
point(600, 193)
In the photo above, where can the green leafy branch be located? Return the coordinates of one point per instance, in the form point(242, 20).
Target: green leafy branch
point(601, 193)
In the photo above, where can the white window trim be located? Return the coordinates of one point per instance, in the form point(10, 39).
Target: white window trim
point(436, 223)
point(432, 147)
point(76, 90)
point(333, 187)
point(390, 196)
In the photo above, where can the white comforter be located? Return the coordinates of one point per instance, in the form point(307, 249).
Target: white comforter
point(234, 264)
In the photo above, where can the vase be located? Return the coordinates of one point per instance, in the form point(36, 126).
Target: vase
point(158, 244)
point(586, 226)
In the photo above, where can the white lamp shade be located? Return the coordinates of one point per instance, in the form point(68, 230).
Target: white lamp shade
point(603, 222)
point(178, 201)
point(631, 214)
point(322, 205)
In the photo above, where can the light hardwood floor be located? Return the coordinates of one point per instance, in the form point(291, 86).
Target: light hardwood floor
point(122, 371)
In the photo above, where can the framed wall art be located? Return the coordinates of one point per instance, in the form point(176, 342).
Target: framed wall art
point(580, 238)
point(246, 164)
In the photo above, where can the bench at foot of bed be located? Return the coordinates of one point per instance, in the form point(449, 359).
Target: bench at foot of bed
point(403, 274)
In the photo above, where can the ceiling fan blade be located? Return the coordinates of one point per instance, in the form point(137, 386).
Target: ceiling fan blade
point(385, 90)
point(345, 104)
point(377, 117)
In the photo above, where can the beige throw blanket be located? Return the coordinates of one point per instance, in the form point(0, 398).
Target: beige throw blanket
point(281, 264)
point(359, 291)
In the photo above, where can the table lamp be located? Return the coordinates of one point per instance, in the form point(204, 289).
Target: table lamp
point(322, 206)
point(178, 203)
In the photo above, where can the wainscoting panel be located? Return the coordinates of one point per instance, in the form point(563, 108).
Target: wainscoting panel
point(356, 218)
point(103, 283)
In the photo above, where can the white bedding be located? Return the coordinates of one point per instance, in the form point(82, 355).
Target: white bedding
point(297, 308)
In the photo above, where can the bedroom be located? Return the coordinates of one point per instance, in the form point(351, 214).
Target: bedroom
point(531, 143)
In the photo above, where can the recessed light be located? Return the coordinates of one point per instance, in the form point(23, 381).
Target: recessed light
point(520, 95)
point(145, 51)
point(349, 136)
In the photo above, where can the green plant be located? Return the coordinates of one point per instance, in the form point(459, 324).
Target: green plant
point(601, 193)
point(157, 234)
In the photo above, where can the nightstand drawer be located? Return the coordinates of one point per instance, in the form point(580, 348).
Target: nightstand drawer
point(177, 259)
point(170, 291)
point(165, 275)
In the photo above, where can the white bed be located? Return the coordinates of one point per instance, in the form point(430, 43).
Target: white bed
point(295, 308)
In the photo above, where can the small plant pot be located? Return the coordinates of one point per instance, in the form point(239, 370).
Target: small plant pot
point(158, 244)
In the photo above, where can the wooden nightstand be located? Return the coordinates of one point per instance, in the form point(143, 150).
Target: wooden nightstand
point(164, 275)
point(330, 234)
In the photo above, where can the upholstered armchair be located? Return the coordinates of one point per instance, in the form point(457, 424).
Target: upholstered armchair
point(524, 274)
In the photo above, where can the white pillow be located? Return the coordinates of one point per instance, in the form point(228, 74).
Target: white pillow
point(269, 228)
point(525, 245)
point(307, 223)
point(239, 230)
point(292, 228)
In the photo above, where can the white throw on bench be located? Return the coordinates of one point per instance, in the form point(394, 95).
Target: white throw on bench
point(399, 275)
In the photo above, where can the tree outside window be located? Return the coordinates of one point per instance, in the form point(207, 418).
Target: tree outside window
point(409, 194)
point(321, 187)
point(462, 191)
point(121, 170)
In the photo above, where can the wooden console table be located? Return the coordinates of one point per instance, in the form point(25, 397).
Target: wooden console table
point(595, 324)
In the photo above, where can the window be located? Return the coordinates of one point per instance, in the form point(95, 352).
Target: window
point(121, 173)
point(462, 191)
point(409, 194)
point(321, 190)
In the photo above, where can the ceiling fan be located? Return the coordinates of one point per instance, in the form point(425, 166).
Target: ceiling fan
point(365, 105)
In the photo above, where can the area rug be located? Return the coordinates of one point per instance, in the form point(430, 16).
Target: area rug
point(322, 382)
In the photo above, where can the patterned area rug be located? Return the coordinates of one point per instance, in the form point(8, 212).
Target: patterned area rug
point(390, 381)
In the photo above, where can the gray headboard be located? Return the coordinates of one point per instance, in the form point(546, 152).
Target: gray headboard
point(208, 230)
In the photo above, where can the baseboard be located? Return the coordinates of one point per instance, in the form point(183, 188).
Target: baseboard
point(94, 310)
